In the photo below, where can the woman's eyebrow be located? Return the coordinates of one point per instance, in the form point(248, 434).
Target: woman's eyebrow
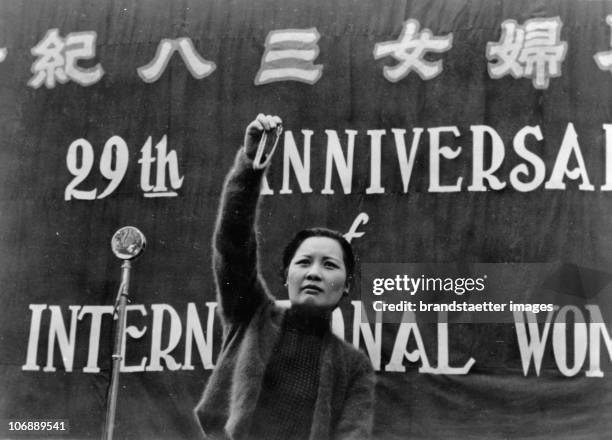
point(331, 257)
point(324, 256)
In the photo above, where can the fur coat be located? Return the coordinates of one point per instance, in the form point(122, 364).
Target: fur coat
point(252, 325)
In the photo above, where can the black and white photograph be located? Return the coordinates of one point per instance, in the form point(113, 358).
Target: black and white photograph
point(306, 219)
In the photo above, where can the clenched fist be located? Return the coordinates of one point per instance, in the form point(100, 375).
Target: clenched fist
point(252, 135)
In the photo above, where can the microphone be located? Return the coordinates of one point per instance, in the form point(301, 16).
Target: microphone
point(127, 244)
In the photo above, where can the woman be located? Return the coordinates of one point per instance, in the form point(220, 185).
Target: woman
point(281, 374)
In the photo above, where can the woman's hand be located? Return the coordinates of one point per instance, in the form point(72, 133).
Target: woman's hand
point(255, 129)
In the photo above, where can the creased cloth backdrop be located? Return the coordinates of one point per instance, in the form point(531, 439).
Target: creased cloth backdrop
point(55, 252)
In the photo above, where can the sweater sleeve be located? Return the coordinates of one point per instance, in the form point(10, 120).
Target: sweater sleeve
point(358, 413)
point(240, 289)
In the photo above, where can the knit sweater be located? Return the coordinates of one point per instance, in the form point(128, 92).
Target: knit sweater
point(289, 387)
point(252, 328)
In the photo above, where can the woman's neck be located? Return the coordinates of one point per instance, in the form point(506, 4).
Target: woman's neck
point(313, 320)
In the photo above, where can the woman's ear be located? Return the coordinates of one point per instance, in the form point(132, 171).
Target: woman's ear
point(347, 285)
point(283, 274)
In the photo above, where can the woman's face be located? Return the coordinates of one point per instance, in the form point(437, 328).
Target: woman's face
point(316, 275)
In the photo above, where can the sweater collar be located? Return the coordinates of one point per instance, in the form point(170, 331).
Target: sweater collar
point(308, 320)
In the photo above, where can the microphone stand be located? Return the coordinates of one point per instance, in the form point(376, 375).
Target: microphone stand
point(127, 243)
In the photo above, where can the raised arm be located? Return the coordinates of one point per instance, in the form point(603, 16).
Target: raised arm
point(240, 290)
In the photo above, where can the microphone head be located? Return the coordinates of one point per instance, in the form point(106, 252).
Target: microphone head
point(128, 242)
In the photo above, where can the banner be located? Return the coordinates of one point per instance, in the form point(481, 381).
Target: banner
point(464, 147)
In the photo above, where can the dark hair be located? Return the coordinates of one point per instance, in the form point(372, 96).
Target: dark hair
point(298, 239)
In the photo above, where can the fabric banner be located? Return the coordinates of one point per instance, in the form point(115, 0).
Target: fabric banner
point(464, 147)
